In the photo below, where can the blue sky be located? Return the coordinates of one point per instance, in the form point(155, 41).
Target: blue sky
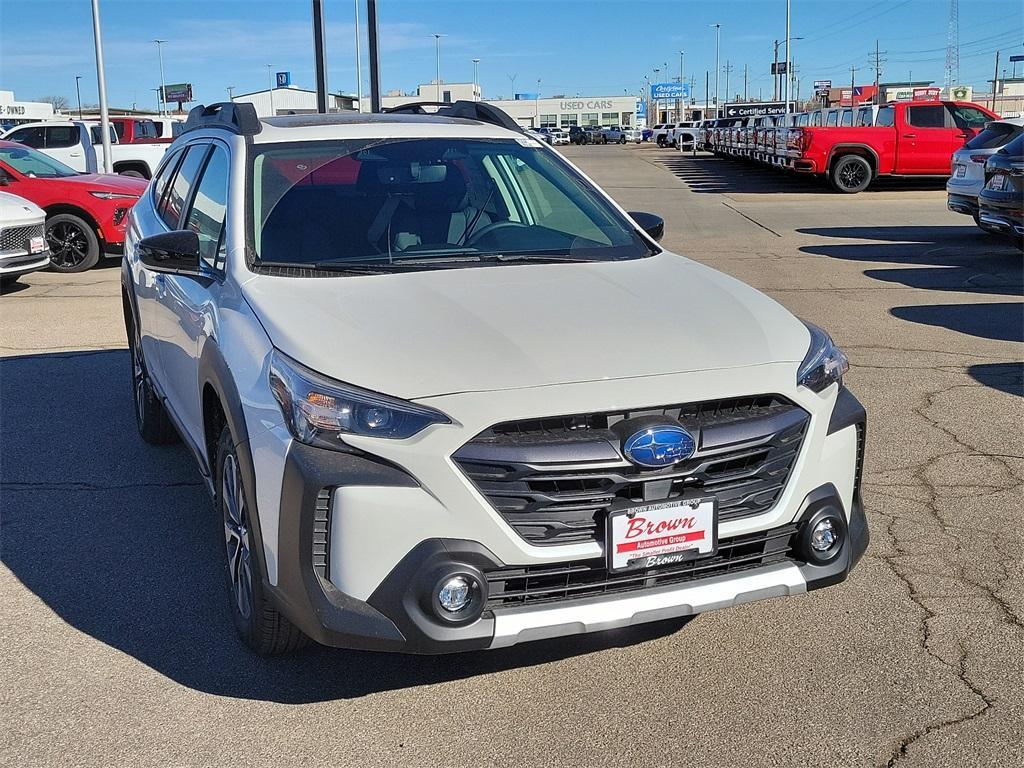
point(589, 47)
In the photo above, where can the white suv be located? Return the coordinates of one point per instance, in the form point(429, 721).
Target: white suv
point(447, 395)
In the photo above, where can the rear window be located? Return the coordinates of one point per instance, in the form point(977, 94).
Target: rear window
point(1015, 147)
point(931, 116)
point(886, 117)
point(847, 120)
point(995, 136)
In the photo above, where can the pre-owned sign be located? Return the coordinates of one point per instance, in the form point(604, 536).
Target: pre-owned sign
point(660, 91)
point(755, 109)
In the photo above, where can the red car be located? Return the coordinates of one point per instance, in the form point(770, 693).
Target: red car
point(86, 213)
point(913, 138)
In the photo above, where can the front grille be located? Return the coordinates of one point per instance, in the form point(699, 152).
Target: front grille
point(511, 587)
point(859, 471)
point(16, 239)
point(554, 479)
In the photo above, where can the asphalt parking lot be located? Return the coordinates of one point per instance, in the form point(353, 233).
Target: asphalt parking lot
point(116, 645)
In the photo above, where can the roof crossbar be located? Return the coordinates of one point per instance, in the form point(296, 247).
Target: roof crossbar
point(235, 116)
point(467, 110)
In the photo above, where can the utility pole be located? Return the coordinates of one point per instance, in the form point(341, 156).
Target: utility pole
point(995, 80)
point(745, 82)
point(707, 94)
point(163, 94)
point(371, 28)
point(728, 71)
point(78, 90)
point(775, 74)
point(679, 104)
point(270, 83)
point(359, 62)
point(718, 41)
point(512, 79)
point(231, 93)
point(537, 104)
point(101, 83)
point(476, 80)
point(853, 87)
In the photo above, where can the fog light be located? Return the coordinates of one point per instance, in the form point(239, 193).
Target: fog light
point(823, 536)
point(454, 594)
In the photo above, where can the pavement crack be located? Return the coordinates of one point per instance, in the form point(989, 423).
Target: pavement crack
point(82, 486)
point(751, 219)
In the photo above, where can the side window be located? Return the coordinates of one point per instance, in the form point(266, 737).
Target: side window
point(886, 117)
point(118, 127)
point(177, 194)
point(930, 116)
point(61, 136)
point(864, 117)
point(30, 137)
point(209, 207)
point(847, 120)
point(968, 117)
point(163, 176)
point(832, 118)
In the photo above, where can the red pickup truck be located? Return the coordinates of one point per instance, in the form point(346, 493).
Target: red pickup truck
point(911, 138)
point(134, 130)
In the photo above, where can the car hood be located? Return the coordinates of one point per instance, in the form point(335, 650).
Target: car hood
point(14, 210)
point(109, 182)
point(423, 334)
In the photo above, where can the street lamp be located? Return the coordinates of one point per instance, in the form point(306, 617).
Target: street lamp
point(231, 93)
point(679, 102)
point(794, 82)
point(437, 61)
point(718, 67)
point(78, 90)
point(537, 102)
point(476, 79)
point(163, 92)
point(788, 81)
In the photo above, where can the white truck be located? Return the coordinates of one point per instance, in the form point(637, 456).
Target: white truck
point(79, 144)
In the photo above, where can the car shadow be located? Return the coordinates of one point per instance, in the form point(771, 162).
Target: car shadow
point(706, 173)
point(119, 539)
point(1001, 321)
point(1006, 377)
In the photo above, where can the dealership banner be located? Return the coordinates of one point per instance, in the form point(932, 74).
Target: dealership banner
point(665, 91)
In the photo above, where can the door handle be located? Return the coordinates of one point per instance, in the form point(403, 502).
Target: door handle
point(909, 135)
point(76, 154)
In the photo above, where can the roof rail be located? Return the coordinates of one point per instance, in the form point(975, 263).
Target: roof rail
point(468, 110)
point(235, 116)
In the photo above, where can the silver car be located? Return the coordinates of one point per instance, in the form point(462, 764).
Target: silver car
point(967, 174)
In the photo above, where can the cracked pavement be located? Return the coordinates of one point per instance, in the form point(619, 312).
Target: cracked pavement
point(116, 646)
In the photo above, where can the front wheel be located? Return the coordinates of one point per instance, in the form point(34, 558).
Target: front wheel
point(850, 174)
point(74, 246)
point(151, 417)
point(260, 625)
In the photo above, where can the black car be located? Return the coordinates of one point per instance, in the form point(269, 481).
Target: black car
point(578, 135)
point(1001, 201)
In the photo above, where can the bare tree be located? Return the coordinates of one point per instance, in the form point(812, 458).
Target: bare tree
point(59, 103)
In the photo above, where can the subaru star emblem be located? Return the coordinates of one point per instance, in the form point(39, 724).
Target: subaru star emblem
point(659, 446)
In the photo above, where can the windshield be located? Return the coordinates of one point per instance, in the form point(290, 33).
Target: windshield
point(28, 162)
point(430, 200)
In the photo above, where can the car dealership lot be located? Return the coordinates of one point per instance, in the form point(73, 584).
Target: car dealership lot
point(917, 658)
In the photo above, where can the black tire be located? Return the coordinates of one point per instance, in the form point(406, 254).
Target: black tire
point(133, 174)
point(850, 174)
point(74, 246)
point(622, 139)
point(151, 418)
point(260, 625)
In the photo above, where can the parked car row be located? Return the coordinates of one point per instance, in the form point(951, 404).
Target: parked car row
point(79, 217)
point(851, 148)
point(970, 176)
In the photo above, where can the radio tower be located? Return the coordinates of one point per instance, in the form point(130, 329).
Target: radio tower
point(952, 48)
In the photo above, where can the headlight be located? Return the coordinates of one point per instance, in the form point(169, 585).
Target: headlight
point(114, 195)
point(824, 362)
point(320, 411)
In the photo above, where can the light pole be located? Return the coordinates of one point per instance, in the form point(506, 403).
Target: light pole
point(718, 67)
point(163, 94)
point(359, 62)
point(270, 83)
point(437, 61)
point(794, 82)
point(680, 101)
point(537, 102)
point(101, 84)
point(78, 90)
point(476, 80)
point(231, 93)
point(789, 83)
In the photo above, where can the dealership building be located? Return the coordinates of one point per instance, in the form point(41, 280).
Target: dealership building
point(528, 109)
point(13, 111)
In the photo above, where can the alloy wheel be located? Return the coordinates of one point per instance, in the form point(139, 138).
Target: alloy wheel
point(69, 245)
point(852, 176)
point(236, 536)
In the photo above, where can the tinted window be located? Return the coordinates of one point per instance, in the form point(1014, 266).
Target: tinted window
point(31, 163)
point(832, 119)
point(118, 126)
point(1015, 147)
point(886, 117)
point(61, 136)
point(145, 129)
point(847, 120)
point(165, 173)
point(968, 117)
point(993, 137)
point(931, 116)
point(206, 217)
point(864, 116)
point(30, 137)
point(174, 201)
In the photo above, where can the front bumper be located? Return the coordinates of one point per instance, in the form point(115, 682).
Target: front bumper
point(361, 545)
point(13, 265)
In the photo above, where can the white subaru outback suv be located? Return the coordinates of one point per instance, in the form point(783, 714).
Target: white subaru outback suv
point(447, 395)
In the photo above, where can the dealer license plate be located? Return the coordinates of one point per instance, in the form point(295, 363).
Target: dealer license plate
point(961, 170)
point(662, 533)
point(997, 182)
point(37, 245)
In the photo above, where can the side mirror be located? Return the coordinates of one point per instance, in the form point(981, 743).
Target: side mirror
point(5, 180)
point(174, 252)
point(650, 223)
